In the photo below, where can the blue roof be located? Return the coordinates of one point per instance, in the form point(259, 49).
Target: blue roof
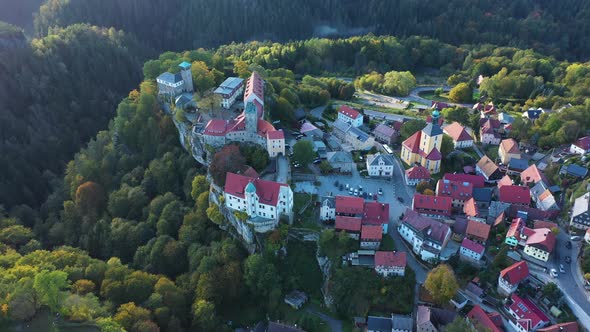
point(575, 170)
point(482, 194)
point(229, 85)
point(380, 324)
point(534, 114)
point(432, 129)
point(518, 164)
point(170, 78)
point(184, 65)
point(360, 135)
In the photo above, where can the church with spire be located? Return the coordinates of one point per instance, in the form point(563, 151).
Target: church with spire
point(424, 146)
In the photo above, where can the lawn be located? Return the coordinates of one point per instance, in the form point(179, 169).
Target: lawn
point(431, 96)
point(306, 218)
point(387, 110)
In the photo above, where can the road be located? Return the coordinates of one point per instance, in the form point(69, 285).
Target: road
point(415, 95)
point(335, 324)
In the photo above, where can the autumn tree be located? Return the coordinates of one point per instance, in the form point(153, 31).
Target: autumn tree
point(90, 197)
point(441, 283)
point(228, 159)
point(199, 186)
point(128, 314)
point(461, 93)
point(428, 192)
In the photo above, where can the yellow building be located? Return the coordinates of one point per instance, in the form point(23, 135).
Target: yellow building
point(424, 146)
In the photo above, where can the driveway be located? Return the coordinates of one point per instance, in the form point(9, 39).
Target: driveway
point(335, 324)
point(283, 169)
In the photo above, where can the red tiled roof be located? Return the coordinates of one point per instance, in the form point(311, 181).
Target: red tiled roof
point(351, 224)
point(413, 142)
point(529, 315)
point(473, 246)
point(390, 258)
point(456, 190)
point(481, 320)
point(499, 219)
point(216, 127)
point(375, 213)
point(515, 273)
point(505, 181)
point(418, 172)
point(349, 204)
point(563, 327)
point(433, 204)
point(349, 112)
point(457, 132)
point(478, 230)
point(254, 86)
point(470, 208)
point(478, 181)
point(275, 134)
point(542, 238)
point(509, 145)
point(583, 143)
point(267, 191)
point(264, 127)
point(532, 174)
point(515, 228)
point(371, 232)
point(515, 194)
point(544, 224)
point(487, 166)
point(491, 123)
point(433, 155)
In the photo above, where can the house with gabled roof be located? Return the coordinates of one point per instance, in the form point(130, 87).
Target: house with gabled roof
point(171, 85)
point(581, 212)
point(427, 237)
point(390, 263)
point(540, 243)
point(471, 249)
point(581, 146)
point(511, 277)
point(488, 169)
point(489, 131)
point(513, 194)
point(508, 150)
point(482, 321)
point(505, 181)
point(532, 175)
point(327, 208)
point(459, 192)
point(350, 116)
point(525, 315)
point(543, 197)
point(430, 319)
point(478, 231)
point(561, 327)
point(229, 91)
point(416, 174)
point(341, 161)
point(371, 236)
point(350, 225)
point(478, 181)
point(423, 147)
point(349, 206)
point(470, 208)
point(461, 138)
point(380, 165)
point(432, 206)
point(387, 134)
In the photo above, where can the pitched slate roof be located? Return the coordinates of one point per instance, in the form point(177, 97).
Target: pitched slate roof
point(267, 191)
point(432, 130)
point(574, 170)
point(543, 197)
point(581, 205)
point(532, 174)
point(385, 130)
point(371, 232)
point(518, 164)
point(349, 112)
point(481, 320)
point(349, 204)
point(375, 159)
point(328, 201)
point(351, 224)
point(339, 157)
point(170, 78)
point(379, 324)
point(229, 85)
point(515, 273)
point(457, 132)
point(478, 229)
point(358, 134)
point(515, 194)
point(390, 258)
point(478, 181)
point(482, 194)
point(438, 317)
point(473, 246)
point(418, 172)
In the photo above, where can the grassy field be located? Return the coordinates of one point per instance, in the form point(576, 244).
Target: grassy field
point(358, 105)
point(431, 96)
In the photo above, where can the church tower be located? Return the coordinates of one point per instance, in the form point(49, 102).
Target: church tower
point(432, 134)
point(251, 201)
point(251, 114)
point(187, 76)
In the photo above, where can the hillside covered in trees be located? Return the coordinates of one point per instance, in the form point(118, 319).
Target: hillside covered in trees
point(559, 28)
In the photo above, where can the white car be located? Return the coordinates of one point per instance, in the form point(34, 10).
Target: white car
point(553, 273)
point(356, 192)
point(561, 268)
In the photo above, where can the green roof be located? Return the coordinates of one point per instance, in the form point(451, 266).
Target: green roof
point(250, 188)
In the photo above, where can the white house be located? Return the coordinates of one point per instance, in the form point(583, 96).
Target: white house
point(275, 143)
point(263, 201)
point(350, 116)
point(380, 165)
point(172, 85)
point(471, 249)
point(427, 237)
point(229, 91)
point(327, 208)
point(461, 138)
point(581, 146)
point(416, 174)
point(390, 263)
point(510, 277)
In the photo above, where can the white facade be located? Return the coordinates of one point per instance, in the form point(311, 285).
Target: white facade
point(370, 244)
point(427, 250)
point(463, 144)
point(275, 147)
point(379, 166)
point(354, 122)
point(327, 213)
point(577, 150)
point(387, 271)
point(505, 287)
point(465, 252)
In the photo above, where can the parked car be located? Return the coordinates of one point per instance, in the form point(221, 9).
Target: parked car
point(553, 273)
point(364, 194)
point(356, 192)
point(561, 268)
point(401, 200)
point(375, 196)
point(568, 259)
point(317, 161)
point(568, 245)
point(575, 238)
point(380, 191)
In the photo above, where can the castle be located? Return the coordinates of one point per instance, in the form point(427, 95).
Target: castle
point(249, 126)
point(424, 146)
point(171, 85)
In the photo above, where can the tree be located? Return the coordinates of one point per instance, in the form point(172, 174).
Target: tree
point(428, 192)
point(410, 128)
point(203, 78)
point(90, 197)
point(204, 315)
point(228, 159)
point(303, 152)
point(346, 91)
point(457, 114)
point(325, 167)
point(441, 283)
point(128, 314)
point(83, 286)
point(241, 69)
point(215, 215)
point(262, 279)
point(50, 288)
point(552, 291)
point(461, 93)
point(199, 186)
point(422, 186)
point(447, 146)
point(459, 324)
point(179, 115)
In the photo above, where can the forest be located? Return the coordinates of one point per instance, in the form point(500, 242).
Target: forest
point(558, 28)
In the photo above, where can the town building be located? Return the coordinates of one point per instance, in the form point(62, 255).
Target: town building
point(387, 134)
point(349, 206)
point(461, 138)
point(230, 90)
point(561, 327)
point(376, 213)
point(170, 85)
point(478, 231)
point(483, 197)
point(350, 225)
point(427, 237)
point(432, 206)
point(275, 143)
point(489, 131)
point(478, 181)
point(459, 192)
point(327, 208)
point(350, 116)
point(532, 175)
point(263, 201)
point(395, 323)
point(483, 321)
point(311, 132)
point(470, 208)
point(488, 169)
point(581, 146)
point(280, 327)
point(533, 114)
point(352, 137)
point(430, 319)
point(371, 236)
point(543, 197)
point(416, 174)
point(525, 315)
point(390, 263)
point(513, 236)
point(471, 250)
point(504, 181)
point(508, 150)
point(185, 101)
point(573, 170)
point(540, 244)
point(424, 146)
point(505, 118)
point(511, 277)
point(340, 161)
point(516, 166)
point(380, 165)
point(513, 194)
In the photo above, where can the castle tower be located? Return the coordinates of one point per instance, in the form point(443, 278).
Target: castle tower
point(251, 201)
point(187, 76)
point(251, 114)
